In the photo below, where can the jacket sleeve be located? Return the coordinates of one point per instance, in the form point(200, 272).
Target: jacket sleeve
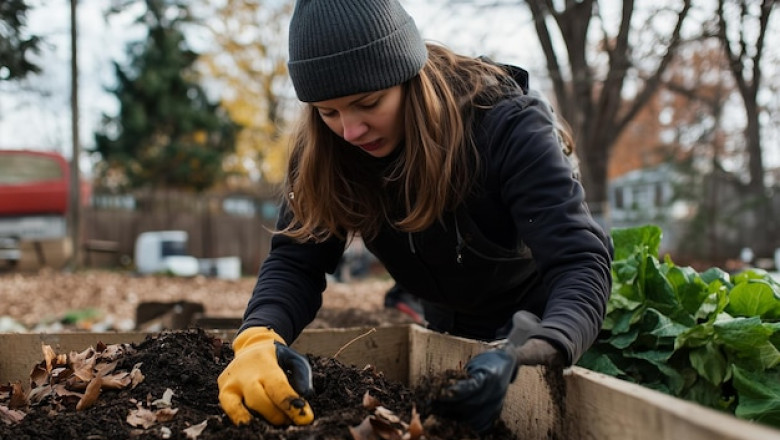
point(289, 287)
point(571, 251)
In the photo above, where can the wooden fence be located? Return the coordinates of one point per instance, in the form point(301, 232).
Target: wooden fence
point(224, 225)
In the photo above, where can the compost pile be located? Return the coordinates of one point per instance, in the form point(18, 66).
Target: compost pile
point(165, 388)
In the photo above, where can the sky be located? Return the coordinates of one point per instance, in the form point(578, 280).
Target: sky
point(35, 114)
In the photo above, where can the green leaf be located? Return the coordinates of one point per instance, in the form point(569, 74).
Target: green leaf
point(626, 240)
point(710, 363)
point(624, 340)
point(714, 304)
point(750, 275)
point(696, 336)
point(661, 294)
point(753, 299)
point(621, 320)
point(708, 395)
point(748, 340)
point(595, 361)
point(691, 290)
point(713, 274)
point(657, 324)
point(759, 396)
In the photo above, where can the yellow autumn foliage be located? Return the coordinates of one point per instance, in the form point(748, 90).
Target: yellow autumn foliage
point(248, 67)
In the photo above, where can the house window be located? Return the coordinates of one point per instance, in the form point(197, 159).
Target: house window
point(660, 196)
point(618, 194)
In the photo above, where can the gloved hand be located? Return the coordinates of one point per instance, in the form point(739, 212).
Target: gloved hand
point(259, 378)
point(527, 350)
point(479, 399)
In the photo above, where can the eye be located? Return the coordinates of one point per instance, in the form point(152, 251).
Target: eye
point(369, 105)
point(326, 113)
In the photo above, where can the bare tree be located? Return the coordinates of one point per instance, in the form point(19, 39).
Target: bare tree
point(600, 89)
point(744, 61)
point(739, 22)
point(599, 109)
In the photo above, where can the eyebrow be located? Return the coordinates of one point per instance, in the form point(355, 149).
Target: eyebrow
point(358, 98)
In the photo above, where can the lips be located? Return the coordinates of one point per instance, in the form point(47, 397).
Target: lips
point(371, 146)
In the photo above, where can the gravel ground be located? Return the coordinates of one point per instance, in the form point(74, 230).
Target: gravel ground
point(98, 300)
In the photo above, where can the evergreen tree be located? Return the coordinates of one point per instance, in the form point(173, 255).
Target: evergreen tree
point(15, 46)
point(167, 133)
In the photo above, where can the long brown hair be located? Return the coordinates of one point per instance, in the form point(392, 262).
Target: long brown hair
point(330, 189)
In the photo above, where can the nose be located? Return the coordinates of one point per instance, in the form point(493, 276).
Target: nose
point(353, 127)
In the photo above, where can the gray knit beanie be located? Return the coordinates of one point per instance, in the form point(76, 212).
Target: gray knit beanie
point(343, 47)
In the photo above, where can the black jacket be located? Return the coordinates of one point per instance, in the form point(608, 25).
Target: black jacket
point(524, 240)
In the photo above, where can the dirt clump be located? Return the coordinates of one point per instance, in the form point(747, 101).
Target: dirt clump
point(170, 392)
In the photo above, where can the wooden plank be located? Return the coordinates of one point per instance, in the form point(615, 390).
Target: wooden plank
point(603, 407)
point(593, 407)
point(385, 348)
point(432, 352)
point(19, 352)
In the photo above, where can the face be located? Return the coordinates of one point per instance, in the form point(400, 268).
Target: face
point(371, 121)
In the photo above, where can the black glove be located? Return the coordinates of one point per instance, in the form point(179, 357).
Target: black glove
point(479, 399)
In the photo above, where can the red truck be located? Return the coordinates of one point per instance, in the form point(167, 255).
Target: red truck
point(34, 198)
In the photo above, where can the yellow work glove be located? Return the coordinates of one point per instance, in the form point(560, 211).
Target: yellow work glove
point(259, 379)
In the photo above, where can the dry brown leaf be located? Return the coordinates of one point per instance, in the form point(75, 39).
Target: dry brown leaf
point(37, 394)
point(387, 415)
point(61, 390)
point(363, 431)
point(49, 356)
point(61, 374)
point(115, 351)
point(105, 368)
point(10, 416)
point(39, 376)
point(165, 414)
point(370, 402)
point(76, 357)
point(141, 417)
point(385, 430)
point(116, 381)
point(17, 398)
point(165, 401)
point(136, 377)
point(416, 430)
point(83, 368)
point(76, 383)
point(90, 394)
point(194, 431)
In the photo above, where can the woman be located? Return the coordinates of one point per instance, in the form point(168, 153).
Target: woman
point(454, 177)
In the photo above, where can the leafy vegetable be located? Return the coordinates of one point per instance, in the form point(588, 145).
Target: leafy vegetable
point(705, 337)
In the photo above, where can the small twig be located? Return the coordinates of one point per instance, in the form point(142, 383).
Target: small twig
point(352, 341)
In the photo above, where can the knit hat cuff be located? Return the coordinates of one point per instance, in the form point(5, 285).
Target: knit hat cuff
point(381, 64)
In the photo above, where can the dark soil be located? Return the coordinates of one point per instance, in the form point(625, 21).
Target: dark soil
point(188, 363)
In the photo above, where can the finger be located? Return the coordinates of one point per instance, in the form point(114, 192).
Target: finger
point(299, 410)
point(233, 406)
point(465, 389)
point(285, 399)
point(258, 400)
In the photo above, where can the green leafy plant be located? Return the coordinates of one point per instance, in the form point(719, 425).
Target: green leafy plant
point(707, 337)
